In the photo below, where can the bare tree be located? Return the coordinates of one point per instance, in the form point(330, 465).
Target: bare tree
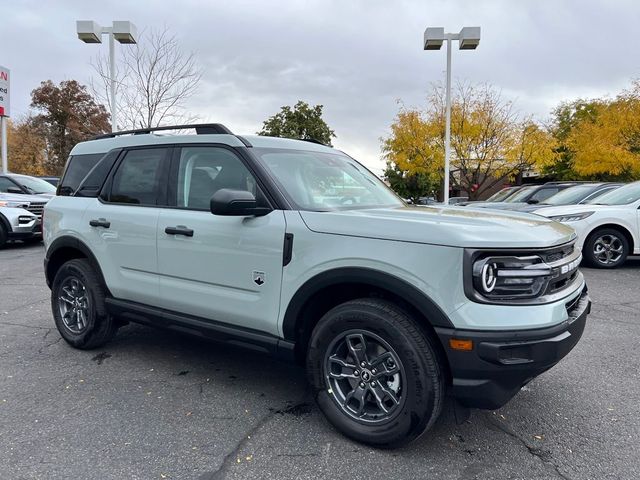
point(154, 78)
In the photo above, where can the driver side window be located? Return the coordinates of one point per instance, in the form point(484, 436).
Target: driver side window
point(6, 184)
point(202, 171)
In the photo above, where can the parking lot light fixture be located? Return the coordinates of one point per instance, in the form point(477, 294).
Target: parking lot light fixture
point(124, 32)
point(468, 39)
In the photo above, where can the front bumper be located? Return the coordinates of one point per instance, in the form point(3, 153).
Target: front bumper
point(502, 362)
point(25, 232)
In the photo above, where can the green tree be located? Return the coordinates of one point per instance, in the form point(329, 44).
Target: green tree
point(302, 122)
point(567, 117)
point(598, 139)
point(67, 114)
point(408, 185)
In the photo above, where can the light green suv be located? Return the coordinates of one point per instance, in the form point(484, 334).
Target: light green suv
point(295, 249)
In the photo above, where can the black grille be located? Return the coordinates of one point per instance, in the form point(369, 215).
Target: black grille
point(37, 208)
point(555, 254)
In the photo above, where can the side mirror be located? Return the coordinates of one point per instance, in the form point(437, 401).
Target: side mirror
point(240, 203)
point(14, 190)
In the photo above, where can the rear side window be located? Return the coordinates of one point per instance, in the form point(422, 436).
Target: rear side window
point(140, 178)
point(77, 168)
point(92, 183)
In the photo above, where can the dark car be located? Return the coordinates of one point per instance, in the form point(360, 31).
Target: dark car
point(52, 180)
point(24, 184)
point(571, 196)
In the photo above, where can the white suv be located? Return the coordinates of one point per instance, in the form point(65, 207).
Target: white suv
point(295, 249)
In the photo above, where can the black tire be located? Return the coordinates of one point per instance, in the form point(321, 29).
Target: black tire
point(3, 234)
point(421, 390)
point(97, 327)
point(595, 248)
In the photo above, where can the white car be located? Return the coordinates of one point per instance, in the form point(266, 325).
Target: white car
point(608, 229)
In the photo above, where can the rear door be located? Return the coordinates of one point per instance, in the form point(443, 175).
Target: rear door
point(121, 224)
point(220, 268)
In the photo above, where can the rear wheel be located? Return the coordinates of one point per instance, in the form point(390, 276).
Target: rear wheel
point(606, 248)
point(375, 373)
point(77, 302)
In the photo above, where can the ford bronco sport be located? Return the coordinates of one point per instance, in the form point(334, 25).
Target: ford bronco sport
point(294, 248)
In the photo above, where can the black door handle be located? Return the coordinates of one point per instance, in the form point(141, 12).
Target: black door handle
point(101, 222)
point(179, 230)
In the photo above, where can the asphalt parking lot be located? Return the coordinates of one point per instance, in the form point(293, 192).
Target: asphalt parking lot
point(154, 405)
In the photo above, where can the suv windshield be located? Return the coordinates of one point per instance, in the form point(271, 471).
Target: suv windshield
point(34, 185)
point(621, 196)
point(321, 181)
point(501, 195)
point(521, 195)
point(570, 195)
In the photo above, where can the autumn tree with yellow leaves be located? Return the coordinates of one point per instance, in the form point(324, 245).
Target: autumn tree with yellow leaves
point(606, 144)
point(489, 141)
point(26, 147)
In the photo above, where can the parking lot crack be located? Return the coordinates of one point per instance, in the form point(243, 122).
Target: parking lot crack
point(230, 458)
point(544, 455)
point(49, 344)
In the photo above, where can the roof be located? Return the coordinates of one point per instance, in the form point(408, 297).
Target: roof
point(104, 145)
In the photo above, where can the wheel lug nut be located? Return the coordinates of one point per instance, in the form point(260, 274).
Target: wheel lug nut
point(373, 371)
point(373, 384)
point(362, 364)
point(356, 372)
point(361, 384)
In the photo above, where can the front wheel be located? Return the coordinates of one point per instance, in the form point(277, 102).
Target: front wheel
point(606, 248)
point(78, 305)
point(376, 375)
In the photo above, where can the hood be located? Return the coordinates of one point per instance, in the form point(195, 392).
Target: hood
point(503, 205)
point(569, 209)
point(449, 226)
point(19, 197)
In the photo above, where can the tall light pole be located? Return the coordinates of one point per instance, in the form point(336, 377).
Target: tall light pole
point(468, 39)
point(122, 31)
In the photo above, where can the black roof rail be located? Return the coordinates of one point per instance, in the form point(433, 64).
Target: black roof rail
point(200, 128)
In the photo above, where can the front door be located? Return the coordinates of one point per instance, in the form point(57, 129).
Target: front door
point(227, 269)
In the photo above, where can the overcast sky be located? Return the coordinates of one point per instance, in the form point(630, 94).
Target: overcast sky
point(356, 57)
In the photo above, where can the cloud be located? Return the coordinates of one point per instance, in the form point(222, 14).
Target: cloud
point(356, 58)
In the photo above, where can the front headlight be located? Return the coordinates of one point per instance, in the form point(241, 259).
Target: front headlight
point(510, 277)
point(14, 204)
point(571, 217)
